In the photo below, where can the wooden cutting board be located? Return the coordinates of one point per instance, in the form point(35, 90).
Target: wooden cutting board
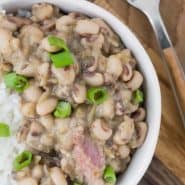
point(168, 166)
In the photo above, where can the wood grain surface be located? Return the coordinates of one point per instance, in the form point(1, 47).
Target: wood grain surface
point(168, 167)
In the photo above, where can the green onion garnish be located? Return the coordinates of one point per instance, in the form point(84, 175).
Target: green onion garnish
point(138, 97)
point(109, 175)
point(58, 42)
point(16, 82)
point(63, 110)
point(97, 95)
point(62, 59)
point(22, 160)
point(76, 183)
point(4, 130)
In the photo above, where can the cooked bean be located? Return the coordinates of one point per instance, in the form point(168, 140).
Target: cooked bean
point(124, 132)
point(28, 181)
point(79, 93)
point(36, 129)
point(32, 93)
point(127, 72)
point(62, 125)
point(93, 79)
point(8, 25)
point(139, 137)
point(101, 130)
point(58, 176)
point(5, 67)
point(106, 109)
point(46, 106)
point(37, 172)
point(66, 140)
point(43, 73)
point(114, 66)
point(64, 22)
point(85, 27)
point(45, 45)
point(47, 140)
point(139, 115)
point(47, 121)
point(124, 151)
point(130, 108)
point(28, 110)
point(136, 81)
point(19, 21)
point(28, 69)
point(65, 76)
point(31, 35)
point(42, 11)
point(5, 40)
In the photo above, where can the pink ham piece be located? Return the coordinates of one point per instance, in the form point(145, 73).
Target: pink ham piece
point(90, 161)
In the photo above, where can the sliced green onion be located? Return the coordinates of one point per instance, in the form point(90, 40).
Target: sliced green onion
point(109, 175)
point(76, 183)
point(4, 130)
point(138, 97)
point(97, 95)
point(63, 110)
point(16, 82)
point(22, 160)
point(62, 59)
point(58, 42)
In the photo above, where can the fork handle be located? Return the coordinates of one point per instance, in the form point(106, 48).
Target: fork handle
point(177, 73)
point(174, 68)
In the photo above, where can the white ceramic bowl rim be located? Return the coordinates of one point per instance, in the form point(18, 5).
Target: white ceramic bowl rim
point(143, 156)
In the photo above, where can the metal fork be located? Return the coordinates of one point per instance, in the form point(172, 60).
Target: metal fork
point(173, 67)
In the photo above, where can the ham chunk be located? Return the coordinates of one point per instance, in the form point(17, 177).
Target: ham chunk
point(89, 160)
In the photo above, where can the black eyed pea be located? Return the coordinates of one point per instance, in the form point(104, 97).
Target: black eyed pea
point(65, 76)
point(85, 27)
point(93, 79)
point(5, 40)
point(124, 132)
point(114, 66)
point(47, 121)
point(47, 140)
point(32, 93)
point(136, 81)
point(31, 35)
point(139, 115)
point(124, 151)
point(106, 109)
point(127, 72)
point(139, 136)
point(37, 172)
point(28, 181)
point(64, 22)
point(28, 109)
point(46, 106)
point(42, 11)
point(79, 93)
point(58, 176)
point(100, 130)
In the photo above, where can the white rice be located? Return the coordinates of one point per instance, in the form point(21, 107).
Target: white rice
point(9, 147)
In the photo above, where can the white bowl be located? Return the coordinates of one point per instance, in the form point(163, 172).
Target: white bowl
point(143, 156)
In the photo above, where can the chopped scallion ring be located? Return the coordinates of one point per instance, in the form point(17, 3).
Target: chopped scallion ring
point(22, 160)
point(97, 95)
point(109, 175)
point(63, 110)
point(4, 130)
point(16, 82)
point(62, 59)
point(58, 42)
point(138, 97)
